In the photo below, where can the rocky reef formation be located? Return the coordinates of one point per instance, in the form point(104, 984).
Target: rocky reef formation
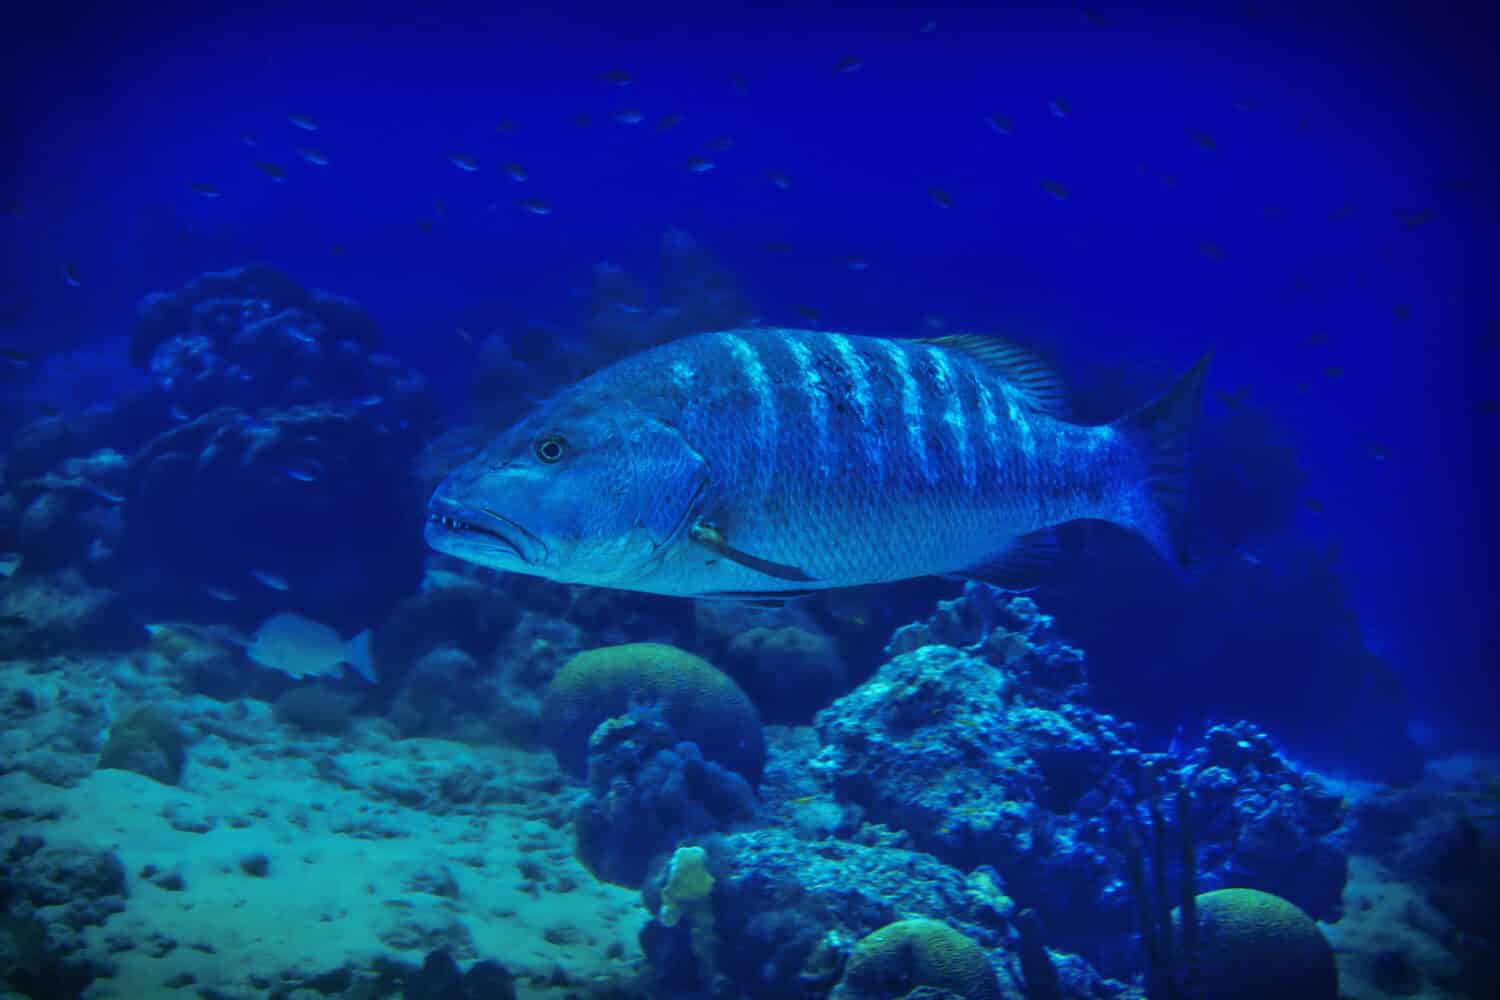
point(269, 452)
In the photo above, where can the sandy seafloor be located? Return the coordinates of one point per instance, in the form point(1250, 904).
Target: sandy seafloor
point(366, 856)
point(284, 858)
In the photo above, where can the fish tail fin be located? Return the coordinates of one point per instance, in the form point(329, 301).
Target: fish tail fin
point(1162, 431)
point(360, 657)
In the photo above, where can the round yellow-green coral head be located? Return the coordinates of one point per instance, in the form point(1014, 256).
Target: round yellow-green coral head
point(1253, 945)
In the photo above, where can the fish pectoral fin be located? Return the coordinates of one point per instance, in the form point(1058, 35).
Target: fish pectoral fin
point(709, 535)
point(1021, 564)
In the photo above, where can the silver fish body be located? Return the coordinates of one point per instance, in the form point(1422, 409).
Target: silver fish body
point(760, 462)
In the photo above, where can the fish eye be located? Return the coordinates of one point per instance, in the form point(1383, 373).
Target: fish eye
point(551, 448)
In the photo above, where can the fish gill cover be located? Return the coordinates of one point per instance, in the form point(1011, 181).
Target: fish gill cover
point(806, 407)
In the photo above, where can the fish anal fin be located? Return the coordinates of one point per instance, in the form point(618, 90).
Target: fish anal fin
point(1023, 370)
point(1023, 563)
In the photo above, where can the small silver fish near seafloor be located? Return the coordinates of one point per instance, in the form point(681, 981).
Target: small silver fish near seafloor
point(762, 464)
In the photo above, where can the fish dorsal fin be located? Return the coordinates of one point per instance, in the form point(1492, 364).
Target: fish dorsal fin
point(1023, 370)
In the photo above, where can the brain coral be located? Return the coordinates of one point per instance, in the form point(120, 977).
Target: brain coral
point(701, 704)
point(1252, 944)
point(908, 954)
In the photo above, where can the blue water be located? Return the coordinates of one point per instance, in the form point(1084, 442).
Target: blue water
point(1328, 133)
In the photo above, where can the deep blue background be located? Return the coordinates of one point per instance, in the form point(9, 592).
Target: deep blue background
point(1329, 131)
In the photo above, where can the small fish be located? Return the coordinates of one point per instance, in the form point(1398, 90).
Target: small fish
point(463, 162)
point(1057, 190)
point(928, 27)
point(721, 144)
point(373, 399)
point(246, 139)
point(808, 312)
point(70, 276)
point(506, 126)
point(583, 121)
point(108, 496)
point(1242, 106)
point(425, 224)
point(1098, 18)
point(303, 470)
point(1402, 312)
point(439, 207)
point(536, 206)
point(1059, 108)
point(206, 190)
point(1334, 372)
point(630, 116)
point(1313, 504)
point(857, 263)
point(737, 86)
point(940, 198)
point(700, 165)
point(779, 179)
point(219, 593)
point(778, 247)
point(9, 563)
point(465, 336)
point(270, 579)
point(271, 170)
point(20, 359)
point(1489, 406)
point(1203, 140)
point(616, 78)
point(1415, 220)
point(178, 413)
point(514, 171)
point(1377, 452)
point(1211, 250)
point(1316, 339)
point(999, 124)
point(1270, 211)
point(337, 249)
point(314, 156)
point(300, 647)
point(852, 64)
point(303, 122)
point(1168, 181)
point(668, 122)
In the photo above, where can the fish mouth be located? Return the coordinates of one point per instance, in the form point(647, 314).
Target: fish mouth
point(454, 526)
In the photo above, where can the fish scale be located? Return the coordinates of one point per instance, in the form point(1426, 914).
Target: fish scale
point(760, 461)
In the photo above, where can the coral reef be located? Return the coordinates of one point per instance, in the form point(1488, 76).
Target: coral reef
point(1252, 944)
point(789, 672)
point(908, 954)
point(982, 754)
point(701, 704)
point(320, 501)
point(788, 911)
point(316, 708)
point(648, 793)
point(147, 741)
